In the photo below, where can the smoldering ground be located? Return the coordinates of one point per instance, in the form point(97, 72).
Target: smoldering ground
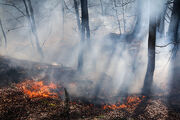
point(111, 64)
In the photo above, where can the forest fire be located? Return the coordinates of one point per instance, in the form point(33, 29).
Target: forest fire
point(89, 59)
point(132, 102)
point(39, 89)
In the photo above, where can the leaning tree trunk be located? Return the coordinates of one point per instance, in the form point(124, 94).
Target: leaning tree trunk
point(84, 29)
point(151, 54)
point(30, 14)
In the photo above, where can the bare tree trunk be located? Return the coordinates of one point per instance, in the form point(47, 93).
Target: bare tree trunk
point(30, 14)
point(62, 6)
point(80, 57)
point(137, 27)
point(124, 17)
point(85, 18)
point(29, 19)
point(119, 24)
point(161, 18)
point(174, 35)
point(4, 34)
point(151, 54)
point(84, 30)
point(77, 15)
point(174, 25)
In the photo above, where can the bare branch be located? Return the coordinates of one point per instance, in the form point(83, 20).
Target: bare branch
point(167, 44)
point(16, 28)
point(12, 5)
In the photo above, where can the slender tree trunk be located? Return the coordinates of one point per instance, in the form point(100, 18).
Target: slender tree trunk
point(174, 35)
point(85, 32)
point(4, 34)
point(77, 15)
point(85, 18)
point(174, 25)
point(29, 19)
point(62, 6)
point(80, 56)
point(30, 14)
point(118, 21)
point(137, 27)
point(124, 17)
point(161, 18)
point(151, 54)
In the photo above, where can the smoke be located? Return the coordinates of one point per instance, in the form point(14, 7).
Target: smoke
point(112, 65)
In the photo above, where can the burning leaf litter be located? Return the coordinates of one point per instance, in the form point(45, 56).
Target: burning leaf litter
point(132, 102)
point(39, 89)
point(15, 103)
point(35, 89)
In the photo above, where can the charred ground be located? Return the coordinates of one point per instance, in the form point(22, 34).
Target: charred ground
point(15, 105)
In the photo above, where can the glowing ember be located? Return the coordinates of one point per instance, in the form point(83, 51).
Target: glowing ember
point(132, 101)
point(38, 89)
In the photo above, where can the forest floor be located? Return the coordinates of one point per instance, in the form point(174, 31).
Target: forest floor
point(15, 105)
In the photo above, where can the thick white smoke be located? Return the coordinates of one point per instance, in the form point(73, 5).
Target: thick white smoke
point(108, 55)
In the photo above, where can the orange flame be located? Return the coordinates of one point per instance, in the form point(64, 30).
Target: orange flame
point(38, 89)
point(132, 101)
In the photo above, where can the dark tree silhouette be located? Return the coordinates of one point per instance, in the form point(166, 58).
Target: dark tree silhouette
point(85, 32)
point(174, 25)
point(175, 38)
point(151, 53)
point(85, 19)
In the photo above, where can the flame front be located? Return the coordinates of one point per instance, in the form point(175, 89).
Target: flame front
point(38, 89)
point(132, 101)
